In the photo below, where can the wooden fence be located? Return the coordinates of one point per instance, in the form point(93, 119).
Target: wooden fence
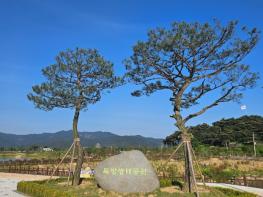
point(31, 167)
point(247, 181)
point(40, 161)
point(33, 170)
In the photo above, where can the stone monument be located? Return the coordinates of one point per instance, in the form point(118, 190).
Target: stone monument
point(128, 172)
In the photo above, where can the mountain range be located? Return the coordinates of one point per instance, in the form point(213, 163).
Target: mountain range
point(63, 139)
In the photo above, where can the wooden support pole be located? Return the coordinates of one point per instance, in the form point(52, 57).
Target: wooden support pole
point(198, 167)
point(71, 161)
point(171, 156)
point(60, 162)
point(191, 168)
point(254, 145)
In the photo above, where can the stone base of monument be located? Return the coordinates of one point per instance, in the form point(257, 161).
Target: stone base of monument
point(128, 172)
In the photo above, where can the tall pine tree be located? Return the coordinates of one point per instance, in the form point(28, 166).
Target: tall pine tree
point(75, 81)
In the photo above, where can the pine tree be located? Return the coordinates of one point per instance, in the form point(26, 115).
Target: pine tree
point(192, 61)
point(75, 81)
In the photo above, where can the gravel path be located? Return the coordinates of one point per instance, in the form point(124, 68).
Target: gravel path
point(8, 183)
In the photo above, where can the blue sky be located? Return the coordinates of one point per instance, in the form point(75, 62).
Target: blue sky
point(32, 32)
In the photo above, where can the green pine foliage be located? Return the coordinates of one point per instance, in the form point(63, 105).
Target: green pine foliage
point(76, 80)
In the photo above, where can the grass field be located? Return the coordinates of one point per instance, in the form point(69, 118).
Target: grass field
point(31, 155)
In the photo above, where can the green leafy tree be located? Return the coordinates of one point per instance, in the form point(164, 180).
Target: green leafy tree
point(193, 61)
point(238, 130)
point(75, 81)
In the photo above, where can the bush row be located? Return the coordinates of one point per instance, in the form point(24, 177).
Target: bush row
point(234, 193)
point(38, 189)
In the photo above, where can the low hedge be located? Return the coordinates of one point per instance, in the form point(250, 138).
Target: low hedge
point(38, 189)
point(44, 189)
point(234, 193)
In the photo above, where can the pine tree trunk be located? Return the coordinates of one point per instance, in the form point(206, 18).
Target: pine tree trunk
point(189, 180)
point(80, 157)
point(189, 177)
point(187, 174)
point(78, 149)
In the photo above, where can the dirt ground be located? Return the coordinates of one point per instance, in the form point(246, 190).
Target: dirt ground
point(26, 177)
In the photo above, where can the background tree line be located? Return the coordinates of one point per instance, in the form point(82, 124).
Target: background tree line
point(224, 132)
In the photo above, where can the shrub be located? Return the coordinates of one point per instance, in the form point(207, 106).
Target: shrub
point(171, 182)
point(221, 173)
point(38, 189)
point(165, 182)
point(177, 183)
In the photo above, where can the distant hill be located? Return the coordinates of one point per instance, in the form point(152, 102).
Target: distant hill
point(63, 139)
point(232, 130)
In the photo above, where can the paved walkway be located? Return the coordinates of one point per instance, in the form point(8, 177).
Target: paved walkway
point(8, 188)
point(8, 183)
point(252, 190)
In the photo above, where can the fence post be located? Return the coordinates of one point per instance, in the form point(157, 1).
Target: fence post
point(245, 180)
point(37, 170)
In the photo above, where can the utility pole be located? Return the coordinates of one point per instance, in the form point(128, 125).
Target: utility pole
point(254, 144)
point(161, 151)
